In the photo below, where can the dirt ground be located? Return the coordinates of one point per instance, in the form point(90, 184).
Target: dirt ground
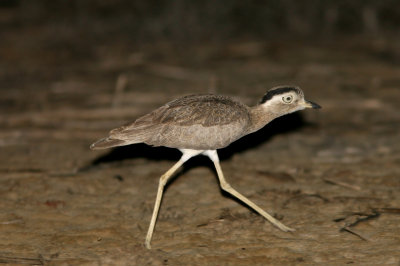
point(332, 174)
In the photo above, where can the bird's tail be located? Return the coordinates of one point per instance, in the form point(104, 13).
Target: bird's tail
point(107, 143)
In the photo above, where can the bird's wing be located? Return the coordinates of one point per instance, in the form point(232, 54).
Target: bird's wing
point(204, 110)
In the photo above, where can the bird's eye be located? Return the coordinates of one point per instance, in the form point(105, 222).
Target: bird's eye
point(287, 99)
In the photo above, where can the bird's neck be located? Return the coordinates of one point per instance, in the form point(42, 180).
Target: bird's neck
point(260, 117)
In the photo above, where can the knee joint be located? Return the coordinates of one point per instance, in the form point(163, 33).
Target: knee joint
point(226, 186)
point(163, 180)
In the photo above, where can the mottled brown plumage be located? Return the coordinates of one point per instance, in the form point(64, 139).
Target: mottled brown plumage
point(201, 124)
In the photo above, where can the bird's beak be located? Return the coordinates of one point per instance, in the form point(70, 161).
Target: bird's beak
point(309, 104)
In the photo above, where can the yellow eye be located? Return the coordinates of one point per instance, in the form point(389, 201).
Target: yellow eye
point(287, 99)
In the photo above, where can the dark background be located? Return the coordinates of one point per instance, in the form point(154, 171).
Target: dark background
point(205, 20)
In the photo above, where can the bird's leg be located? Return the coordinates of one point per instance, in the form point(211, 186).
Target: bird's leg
point(187, 154)
point(212, 154)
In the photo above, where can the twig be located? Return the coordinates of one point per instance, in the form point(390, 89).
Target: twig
point(356, 220)
point(214, 86)
point(120, 86)
point(347, 229)
point(342, 184)
point(21, 260)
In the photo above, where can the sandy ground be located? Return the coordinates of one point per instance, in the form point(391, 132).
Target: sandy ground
point(332, 174)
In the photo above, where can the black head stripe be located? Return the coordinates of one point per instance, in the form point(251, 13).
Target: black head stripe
point(279, 90)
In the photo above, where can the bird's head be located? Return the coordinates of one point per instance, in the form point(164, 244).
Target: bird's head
point(283, 100)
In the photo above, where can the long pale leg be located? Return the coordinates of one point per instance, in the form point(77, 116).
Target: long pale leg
point(187, 154)
point(212, 154)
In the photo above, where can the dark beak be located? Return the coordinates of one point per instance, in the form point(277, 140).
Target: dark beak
point(310, 104)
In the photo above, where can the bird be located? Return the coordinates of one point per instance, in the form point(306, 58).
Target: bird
point(200, 125)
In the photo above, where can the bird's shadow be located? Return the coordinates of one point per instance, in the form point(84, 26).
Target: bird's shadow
point(282, 125)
